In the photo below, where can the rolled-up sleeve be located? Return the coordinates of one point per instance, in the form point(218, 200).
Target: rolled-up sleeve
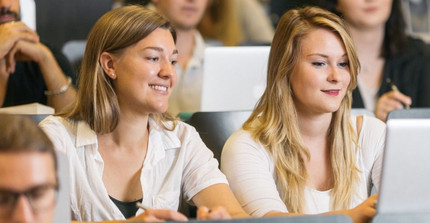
point(200, 167)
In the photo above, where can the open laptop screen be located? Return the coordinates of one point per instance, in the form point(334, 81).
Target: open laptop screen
point(234, 78)
point(405, 183)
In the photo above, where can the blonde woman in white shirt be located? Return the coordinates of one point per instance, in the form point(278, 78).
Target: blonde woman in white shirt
point(122, 147)
point(301, 152)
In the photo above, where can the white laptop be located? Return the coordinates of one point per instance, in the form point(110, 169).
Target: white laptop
point(405, 183)
point(234, 78)
point(62, 207)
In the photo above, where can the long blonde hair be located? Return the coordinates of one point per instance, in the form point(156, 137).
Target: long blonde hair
point(274, 121)
point(96, 102)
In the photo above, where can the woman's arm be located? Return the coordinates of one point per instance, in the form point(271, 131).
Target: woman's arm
point(215, 196)
point(363, 213)
point(152, 215)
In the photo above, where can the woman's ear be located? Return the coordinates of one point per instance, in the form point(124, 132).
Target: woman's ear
point(107, 63)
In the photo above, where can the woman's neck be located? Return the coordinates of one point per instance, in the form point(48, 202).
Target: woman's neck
point(131, 133)
point(185, 43)
point(314, 127)
point(368, 42)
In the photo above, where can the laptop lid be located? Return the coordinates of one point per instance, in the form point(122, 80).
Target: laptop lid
point(234, 78)
point(405, 183)
point(62, 208)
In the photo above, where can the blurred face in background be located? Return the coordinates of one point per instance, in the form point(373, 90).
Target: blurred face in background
point(364, 14)
point(183, 14)
point(9, 11)
point(28, 187)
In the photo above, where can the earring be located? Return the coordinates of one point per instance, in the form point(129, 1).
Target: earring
point(113, 76)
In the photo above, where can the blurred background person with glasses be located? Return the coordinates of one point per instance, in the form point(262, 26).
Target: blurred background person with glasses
point(28, 181)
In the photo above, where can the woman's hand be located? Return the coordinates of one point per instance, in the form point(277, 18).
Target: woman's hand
point(390, 101)
point(365, 211)
point(217, 212)
point(159, 215)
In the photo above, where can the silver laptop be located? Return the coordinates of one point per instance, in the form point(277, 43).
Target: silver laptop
point(234, 78)
point(405, 183)
point(62, 207)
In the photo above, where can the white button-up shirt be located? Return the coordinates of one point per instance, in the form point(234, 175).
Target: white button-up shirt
point(177, 163)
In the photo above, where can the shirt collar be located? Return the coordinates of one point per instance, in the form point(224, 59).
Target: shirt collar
point(168, 139)
point(85, 135)
point(162, 138)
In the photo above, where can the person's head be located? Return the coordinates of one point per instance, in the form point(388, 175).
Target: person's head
point(9, 11)
point(316, 40)
point(128, 65)
point(183, 14)
point(312, 69)
point(364, 14)
point(28, 178)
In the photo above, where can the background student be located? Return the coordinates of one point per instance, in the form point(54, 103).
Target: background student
point(29, 71)
point(28, 172)
point(395, 72)
point(122, 147)
point(301, 152)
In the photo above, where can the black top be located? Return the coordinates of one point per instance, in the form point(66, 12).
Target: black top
point(410, 72)
point(27, 85)
point(128, 209)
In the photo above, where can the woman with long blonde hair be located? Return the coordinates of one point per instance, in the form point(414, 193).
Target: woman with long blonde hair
point(301, 152)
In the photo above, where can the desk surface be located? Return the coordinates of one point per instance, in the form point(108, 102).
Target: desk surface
point(301, 219)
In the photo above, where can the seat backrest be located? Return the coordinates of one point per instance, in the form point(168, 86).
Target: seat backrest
point(215, 127)
point(409, 113)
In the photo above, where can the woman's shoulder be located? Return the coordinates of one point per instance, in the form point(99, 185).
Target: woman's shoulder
point(373, 124)
point(242, 140)
point(55, 122)
point(372, 134)
point(415, 48)
point(61, 127)
point(367, 123)
point(242, 135)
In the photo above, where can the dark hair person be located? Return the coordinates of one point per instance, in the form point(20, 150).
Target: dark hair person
point(395, 71)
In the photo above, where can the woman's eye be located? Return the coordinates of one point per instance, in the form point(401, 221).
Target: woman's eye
point(344, 64)
point(318, 64)
point(174, 62)
point(154, 59)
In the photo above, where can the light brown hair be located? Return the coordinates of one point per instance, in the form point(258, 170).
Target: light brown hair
point(96, 102)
